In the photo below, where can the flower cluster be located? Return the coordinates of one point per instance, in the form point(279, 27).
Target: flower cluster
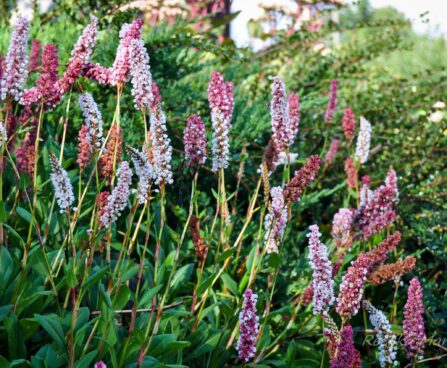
point(16, 62)
point(413, 325)
point(63, 189)
point(341, 227)
point(79, 56)
point(332, 152)
point(271, 156)
point(391, 183)
point(117, 200)
point(249, 327)
point(141, 75)
point(332, 105)
point(195, 141)
point(275, 221)
point(279, 110)
point(351, 173)
point(93, 119)
point(322, 282)
point(112, 153)
point(379, 254)
point(377, 212)
point(363, 141)
point(385, 337)
point(294, 117)
point(161, 147)
point(84, 148)
point(345, 350)
point(121, 66)
point(46, 89)
point(144, 170)
point(96, 72)
point(393, 271)
point(351, 287)
point(220, 97)
point(348, 123)
point(302, 178)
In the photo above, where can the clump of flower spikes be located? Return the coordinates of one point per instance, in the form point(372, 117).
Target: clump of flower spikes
point(348, 123)
point(144, 171)
point(122, 64)
point(322, 282)
point(351, 287)
point(332, 105)
point(117, 200)
point(393, 271)
point(377, 212)
point(341, 227)
point(161, 147)
point(16, 61)
point(385, 337)
point(79, 56)
point(351, 173)
point(63, 189)
point(332, 152)
point(249, 327)
point(345, 350)
point(302, 178)
point(363, 141)
point(93, 119)
point(195, 141)
point(221, 102)
point(413, 325)
point(46, 89)
point(275, 221)
point(141, 75)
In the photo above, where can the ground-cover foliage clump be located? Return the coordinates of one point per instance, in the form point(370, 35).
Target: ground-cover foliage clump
point(170, 201)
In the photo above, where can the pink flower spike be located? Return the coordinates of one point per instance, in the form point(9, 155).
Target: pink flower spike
point(79, 56)
point(249, 327)
point(117, 200)
point(351, 173)
point(141, 75)
point(413, 325)
point(34, 56)
point(332, 152)
point(348, 123)
point(346, 352)
point(16, 61)
point(195, 141)
point(279, 110)
point(120, 70)
point(332, 105)
point(302, 178)
point(220, 97)
point(294, 117)
point(100, 364)
point(341, 227)
point(322, 282)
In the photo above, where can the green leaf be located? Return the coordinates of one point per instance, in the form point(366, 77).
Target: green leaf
point(52, 325)
point(122, 298)
point(274, 260)
point(182, 275)
point(24, 214)
point(93, 279)
point(146, 299)
point(229, 283)
point(6, 268)
point(86, 360)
